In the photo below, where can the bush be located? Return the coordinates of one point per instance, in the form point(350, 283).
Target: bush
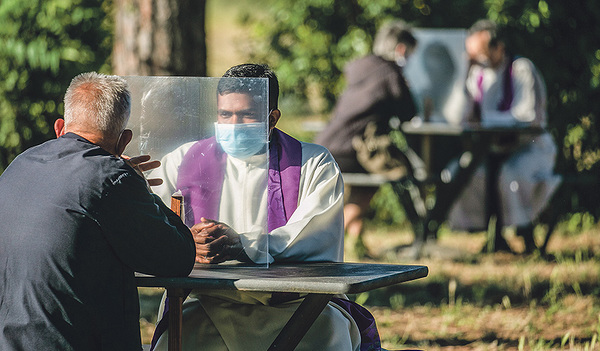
point(43, 45)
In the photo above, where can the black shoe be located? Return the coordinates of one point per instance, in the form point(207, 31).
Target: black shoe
point(500, 244)
point(527, 233)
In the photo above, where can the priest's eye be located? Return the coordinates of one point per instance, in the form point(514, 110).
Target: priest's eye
point(250, 117)
point(225, 114)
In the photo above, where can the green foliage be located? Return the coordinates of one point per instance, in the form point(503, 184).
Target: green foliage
point(43, 45)
point(310, 41)
point(388, 208)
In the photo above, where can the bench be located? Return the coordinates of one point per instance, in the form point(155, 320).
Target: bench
point(408, 194)
point(364, 179)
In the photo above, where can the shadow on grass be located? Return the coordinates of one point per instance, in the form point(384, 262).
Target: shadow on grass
point(437, 292)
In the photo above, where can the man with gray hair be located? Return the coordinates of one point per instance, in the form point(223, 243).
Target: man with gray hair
point(376, 94)
point(394, 42)
point(76, 221)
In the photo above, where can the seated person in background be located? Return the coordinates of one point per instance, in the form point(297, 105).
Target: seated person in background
point(506, 90)
point(77, 220)
point(304, 200)
point(376, 94)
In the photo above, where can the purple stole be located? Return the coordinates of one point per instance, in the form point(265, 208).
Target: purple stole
point(507, 88)
point(206, 161)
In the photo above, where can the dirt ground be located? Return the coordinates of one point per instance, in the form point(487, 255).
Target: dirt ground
point(486, 328)
point(497, 301)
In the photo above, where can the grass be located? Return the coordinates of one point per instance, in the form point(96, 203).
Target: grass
point(474, 301)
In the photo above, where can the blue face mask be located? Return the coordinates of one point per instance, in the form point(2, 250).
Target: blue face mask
point(241, 140)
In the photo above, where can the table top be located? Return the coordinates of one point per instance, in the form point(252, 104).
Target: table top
point(320, 278)
point(417, 126)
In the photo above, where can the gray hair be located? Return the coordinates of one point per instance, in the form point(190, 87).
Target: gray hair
point(497, 33)
point(99, 102)
point(389, 36)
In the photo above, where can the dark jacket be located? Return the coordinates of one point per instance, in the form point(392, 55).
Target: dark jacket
point(75, 223)
point(375, 91)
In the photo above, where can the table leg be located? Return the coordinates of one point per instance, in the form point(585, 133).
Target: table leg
point(427, 221)
point(448, 192)
point(426, 152)
point(493, 202)
point(176, 297)
point(300, 322)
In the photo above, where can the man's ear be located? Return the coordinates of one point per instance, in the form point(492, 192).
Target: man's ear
point(124, 139)
point(274, 118)
point(59, 127)
point(401, 49)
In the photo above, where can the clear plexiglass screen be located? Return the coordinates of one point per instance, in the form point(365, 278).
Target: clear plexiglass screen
point(436, 73)
point(211, 136)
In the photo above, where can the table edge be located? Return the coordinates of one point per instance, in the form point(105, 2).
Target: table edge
point(319, 287)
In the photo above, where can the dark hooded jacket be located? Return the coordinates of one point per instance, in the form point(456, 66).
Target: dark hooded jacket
point(375, 91)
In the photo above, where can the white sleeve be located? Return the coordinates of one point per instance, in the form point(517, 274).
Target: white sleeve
point(526, 98)
point(168, 171)
point(315, 231)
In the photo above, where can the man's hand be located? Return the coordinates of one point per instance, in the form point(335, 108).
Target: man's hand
point(216, 242)
point(142, 164)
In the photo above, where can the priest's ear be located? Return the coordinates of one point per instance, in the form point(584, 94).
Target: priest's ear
point(274, 118)
point(59, 127)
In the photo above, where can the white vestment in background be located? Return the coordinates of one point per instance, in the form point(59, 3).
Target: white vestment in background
point(527, 179)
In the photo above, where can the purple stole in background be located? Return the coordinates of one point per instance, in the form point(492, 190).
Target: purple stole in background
point(206, 161)
point(507, 87)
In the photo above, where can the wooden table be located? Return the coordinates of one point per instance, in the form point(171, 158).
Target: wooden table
point(480, 145)
point(321, 281)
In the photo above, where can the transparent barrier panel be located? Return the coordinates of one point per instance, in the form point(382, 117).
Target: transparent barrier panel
point(436, 73)
point(211, 136)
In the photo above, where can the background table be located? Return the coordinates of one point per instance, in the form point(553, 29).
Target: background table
point(480, 144)
point(320, 281)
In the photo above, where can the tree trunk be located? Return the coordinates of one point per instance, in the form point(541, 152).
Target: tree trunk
point(159, 37)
